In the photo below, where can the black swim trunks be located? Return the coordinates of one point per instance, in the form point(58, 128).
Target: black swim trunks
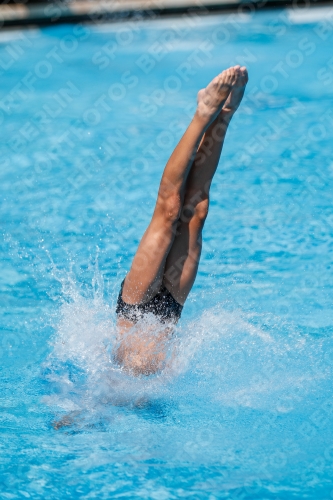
point(163, 305)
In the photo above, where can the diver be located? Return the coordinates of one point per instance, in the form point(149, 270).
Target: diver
point(166, 262)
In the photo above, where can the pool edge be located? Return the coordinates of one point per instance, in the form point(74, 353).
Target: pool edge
point(22, 15)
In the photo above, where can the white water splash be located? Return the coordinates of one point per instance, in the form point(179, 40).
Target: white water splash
point(230, 359)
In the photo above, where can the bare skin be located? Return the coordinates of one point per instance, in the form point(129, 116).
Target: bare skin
point(170, 249)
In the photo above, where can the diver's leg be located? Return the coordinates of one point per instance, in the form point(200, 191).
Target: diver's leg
point(183, 259)
point(146, 274)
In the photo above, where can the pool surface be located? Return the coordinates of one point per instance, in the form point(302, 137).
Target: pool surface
point(89, 116)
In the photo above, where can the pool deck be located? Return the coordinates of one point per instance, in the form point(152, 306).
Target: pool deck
point(43, 14)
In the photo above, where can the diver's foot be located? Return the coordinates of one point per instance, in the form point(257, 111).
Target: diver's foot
point(214, 96)
point(235, 96)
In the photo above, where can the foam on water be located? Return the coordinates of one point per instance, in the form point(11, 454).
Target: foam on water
point(227, 359)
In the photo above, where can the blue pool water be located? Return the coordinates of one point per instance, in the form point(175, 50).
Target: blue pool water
point(88, 118)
